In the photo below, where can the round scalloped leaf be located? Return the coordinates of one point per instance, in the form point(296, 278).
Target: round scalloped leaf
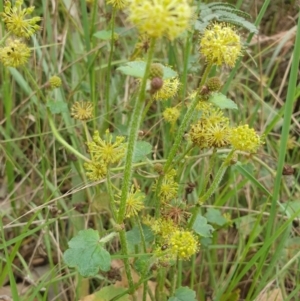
point(87, 254)
point(201, 227)
point(183, 294)
point(222, 101)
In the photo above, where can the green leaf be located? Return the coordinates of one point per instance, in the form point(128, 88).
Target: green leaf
point(133, 236)
point(183, 294)
point(247, 225)
point(137, 69)
point(291, 207)
point(87, 254)
point(142, 149)
point(103, 35)
point(201, 226)
point(107, 293)
point(214, 216)
point(142, 264)
point(222, 101)
point(57, 107)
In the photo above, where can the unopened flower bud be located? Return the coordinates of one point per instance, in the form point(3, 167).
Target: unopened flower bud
point(156, 70)
point(213, 84)
point(156, 84)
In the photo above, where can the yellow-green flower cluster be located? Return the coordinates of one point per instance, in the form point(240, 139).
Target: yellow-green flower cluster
point(134, 202)
point(16, 22)
point(212, 130)
point(95, 171)
point(82, 110)
point(220, 44)
point(169, 89)
point(169, 187)
point(54, 82)
point(158, 18)
point(163, 227)
point(15, 54)
point(245, 139)
point(120, 4)
point(184, 244)
point(171, 115)
point(104, 152)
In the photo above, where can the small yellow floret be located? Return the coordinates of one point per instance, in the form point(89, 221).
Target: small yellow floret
point(15, 54)
point(245, 139)
point(184, 244)
point(134, 202)
point(106, 150)
point(220, 44)
point(95, 171)
point(168, 90)
point(54, 82)
point(120, 4)
point(159, 18)
point(82, 110)
point(14, 19)
point(171, 115)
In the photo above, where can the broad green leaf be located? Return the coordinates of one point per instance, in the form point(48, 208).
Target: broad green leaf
point(222, 101)
point(205, 241)
point(142, 149)
point(133, 236)
point(201, 226)
point(137, 69)
point(107, 293)
point(57, 107)
point(214, 216)
point(183, 294)
point(87, 254)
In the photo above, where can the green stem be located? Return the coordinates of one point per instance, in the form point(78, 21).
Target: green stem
point(187, 118)
point(107, 90)
point(60, 139)
point(124, 247)
point(219, 176)
point(111, 196)
point(135, 123)
point(212, 160)
point(149, 104)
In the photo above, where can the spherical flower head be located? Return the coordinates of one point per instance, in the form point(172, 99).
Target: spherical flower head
point(245, 139)
point(213, 84)
point(159, 18)
point(169, 187)
point(168, 90)
point(212, 130)
point(171, 115)
point(203, 104)
point(164, 227)
point(134, 202)
point(82, 110)
point(220, 44)
point(54, 82)
point(184, 244)
point(95, 171)
point(120, 4)
point(14, 19)
point(106, 150)
point(15, 54)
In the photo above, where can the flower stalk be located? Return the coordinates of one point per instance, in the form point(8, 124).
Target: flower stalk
point(135, 124)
